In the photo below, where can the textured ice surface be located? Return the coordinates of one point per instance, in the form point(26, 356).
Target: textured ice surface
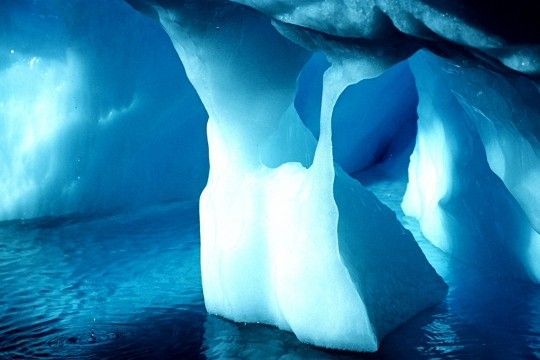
point(474, 174)
point(94, 116)
point(500, 33)
point(285, 238)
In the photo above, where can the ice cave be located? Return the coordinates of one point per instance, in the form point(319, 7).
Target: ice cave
point(241, 179)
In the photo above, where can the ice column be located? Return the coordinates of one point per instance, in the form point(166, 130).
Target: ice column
point(287, 238)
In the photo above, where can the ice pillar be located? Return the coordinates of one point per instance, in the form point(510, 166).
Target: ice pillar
point(287, 238)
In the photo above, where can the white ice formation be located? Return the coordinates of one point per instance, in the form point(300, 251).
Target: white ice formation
point(288, 238)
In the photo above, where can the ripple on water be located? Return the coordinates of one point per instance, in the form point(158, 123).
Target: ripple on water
point(127, 286)
point(72, 288)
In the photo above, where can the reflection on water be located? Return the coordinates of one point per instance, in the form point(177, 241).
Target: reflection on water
point(120, 285)
point(483, 316)
point(128, 286)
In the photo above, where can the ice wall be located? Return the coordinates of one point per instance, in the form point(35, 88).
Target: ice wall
point(96, 113)
point(474, 173)
point(287, 238)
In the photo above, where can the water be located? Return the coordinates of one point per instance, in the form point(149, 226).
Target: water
point(119, 286)
point(128, 286)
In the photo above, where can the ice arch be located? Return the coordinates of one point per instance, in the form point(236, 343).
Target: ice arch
point(274, 192)
point(476, 156)
point(288, 237)
point(281, 240)
point(371, 120)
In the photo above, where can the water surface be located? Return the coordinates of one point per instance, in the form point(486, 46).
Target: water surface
point(128, 286)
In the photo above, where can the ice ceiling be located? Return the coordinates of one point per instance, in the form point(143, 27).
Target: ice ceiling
point(301, 97)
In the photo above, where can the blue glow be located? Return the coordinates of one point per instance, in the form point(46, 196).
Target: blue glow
point(95, 116)
point(268, 179)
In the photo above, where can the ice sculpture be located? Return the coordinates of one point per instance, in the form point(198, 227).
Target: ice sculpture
point(286, 237)
point(474, 173)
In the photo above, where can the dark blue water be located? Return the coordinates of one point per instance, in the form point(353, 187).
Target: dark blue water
point(128, 286)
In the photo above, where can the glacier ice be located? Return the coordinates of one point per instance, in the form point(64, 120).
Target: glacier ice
point(473, 176)
point(281, 242)
point(93, 116)
point(371, 118)
point(506, 36)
